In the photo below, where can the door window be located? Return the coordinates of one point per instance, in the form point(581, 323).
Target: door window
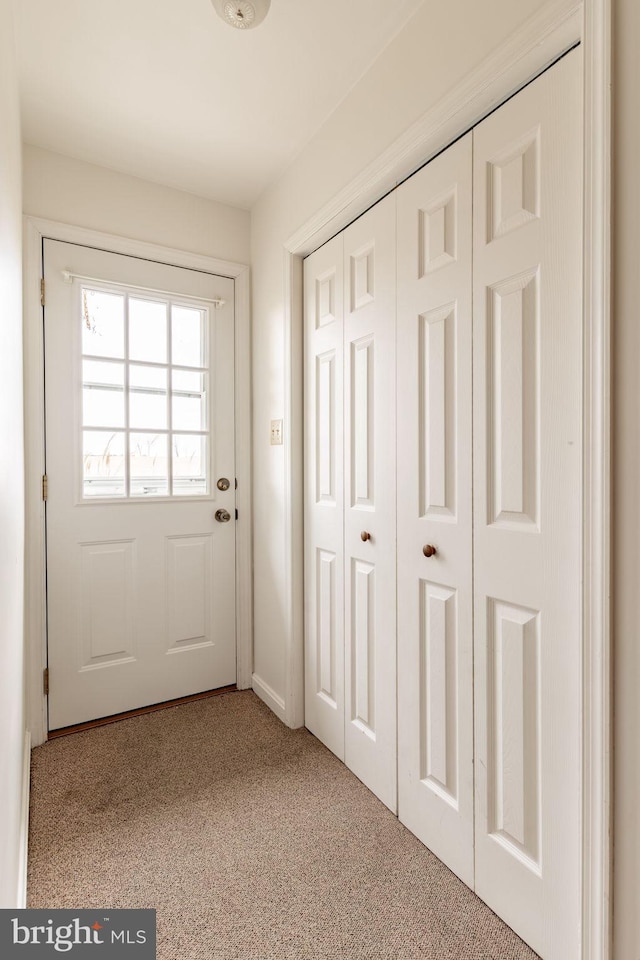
point(145, 395)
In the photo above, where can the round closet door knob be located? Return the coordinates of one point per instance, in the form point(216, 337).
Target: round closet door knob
point(365, 536)
point(429, 550)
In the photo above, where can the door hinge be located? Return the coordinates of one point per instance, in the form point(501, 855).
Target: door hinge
point(45, 486)
point(46, 682)
point(42, 291)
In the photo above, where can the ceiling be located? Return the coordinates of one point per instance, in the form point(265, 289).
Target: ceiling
point(164, 90)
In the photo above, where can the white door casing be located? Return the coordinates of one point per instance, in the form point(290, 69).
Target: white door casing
point(369, 499)
point(528, 509)
point(324, 495)
point(141, 591)
point(435, 599)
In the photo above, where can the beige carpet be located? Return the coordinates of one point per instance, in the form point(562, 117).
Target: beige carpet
point(251, 841)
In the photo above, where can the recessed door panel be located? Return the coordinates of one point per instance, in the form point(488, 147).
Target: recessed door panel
point(513, 703)
point(327, 292)
point(108, 602)
point(514, 185)
point(437, 398)
point(189, 573)
point(326, 626)
point(363, 646)
point(437, 226)
point(514, 399)
point(325, 454)
point(362, 276)
point(362, 425)
point(439, 708)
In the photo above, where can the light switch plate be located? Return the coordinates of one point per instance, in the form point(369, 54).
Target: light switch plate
point(276, 432)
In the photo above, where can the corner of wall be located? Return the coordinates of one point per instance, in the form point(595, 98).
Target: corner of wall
point(269, 696)
point(12, 644)
point(21, 892)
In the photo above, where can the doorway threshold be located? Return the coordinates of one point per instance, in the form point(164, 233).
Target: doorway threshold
point(102, 721)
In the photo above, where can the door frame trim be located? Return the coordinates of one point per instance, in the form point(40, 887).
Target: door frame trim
point(35, 231)
point(551, 31)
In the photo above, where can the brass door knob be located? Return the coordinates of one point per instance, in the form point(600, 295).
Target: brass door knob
point(223, 516)
point(429, 550)
point(365, 536)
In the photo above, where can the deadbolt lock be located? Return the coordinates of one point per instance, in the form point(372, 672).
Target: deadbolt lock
point(223, 484)
point(223, 516)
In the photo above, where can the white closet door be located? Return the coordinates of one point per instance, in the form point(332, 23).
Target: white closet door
point(435, 606)
point(369, 474)
point(324, 501)
point(527, 509)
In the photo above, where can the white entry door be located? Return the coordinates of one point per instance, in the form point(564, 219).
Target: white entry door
point(527, 509)
point(139, 389)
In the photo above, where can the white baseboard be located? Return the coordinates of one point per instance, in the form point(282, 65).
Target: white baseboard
point(269, 696)
point(21, 898)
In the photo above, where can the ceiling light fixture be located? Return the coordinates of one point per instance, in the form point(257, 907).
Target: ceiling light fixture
point(242, 14)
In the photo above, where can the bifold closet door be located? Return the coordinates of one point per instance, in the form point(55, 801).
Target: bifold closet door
point(489, 426)
point(350, 543)
point(435, 599)
point(370, 497)
point(324, 496)
point(528, 509)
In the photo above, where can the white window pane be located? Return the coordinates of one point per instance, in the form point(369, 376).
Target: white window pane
point(102, 324)
point(103, 463)
point(189, 400)
point(189, 413)
point(100, 373)
point(153, 377)
point(147, 330)
point(187, 381)
point(190, 465)
point(102, 406)
point(187, 337)
point(148, 465)
point(147, 398)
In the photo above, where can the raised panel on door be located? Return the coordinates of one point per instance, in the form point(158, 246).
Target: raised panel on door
point(435, 619)
point(107, 602)
point(188, 598)
point(527, 509)
point(369, 508)
point(323, 497)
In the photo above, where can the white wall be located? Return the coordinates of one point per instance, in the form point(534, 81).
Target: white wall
point(436, 49)
point(12, 712)
point(441, 44)
point(86, 195)
point(626, 480)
